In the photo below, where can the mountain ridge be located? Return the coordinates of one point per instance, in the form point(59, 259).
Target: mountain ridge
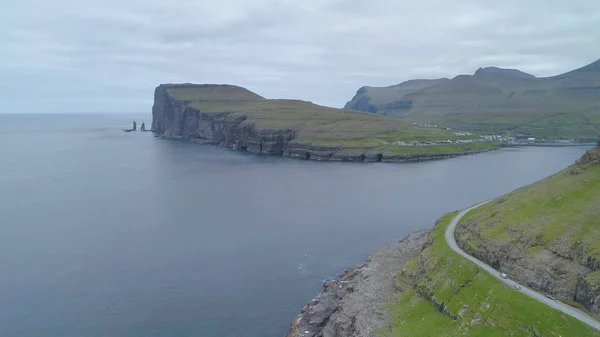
point(496, 100)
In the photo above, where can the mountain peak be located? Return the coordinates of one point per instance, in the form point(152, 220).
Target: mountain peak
point(593, 67)
point(495, 72)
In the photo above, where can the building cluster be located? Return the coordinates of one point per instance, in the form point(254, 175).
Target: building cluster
point(426, 125)
point(483, 138)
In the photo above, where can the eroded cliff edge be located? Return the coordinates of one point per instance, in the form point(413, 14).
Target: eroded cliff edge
point(176, 118)
point(545, 235)
point(173, 118)
point(354, 303)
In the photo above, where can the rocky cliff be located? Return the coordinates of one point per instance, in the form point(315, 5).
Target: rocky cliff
point(545, 235)
point(173, 118)
point(353, 305)
point(176, 118)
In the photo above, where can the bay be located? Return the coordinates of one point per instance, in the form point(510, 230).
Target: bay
point(105, 233)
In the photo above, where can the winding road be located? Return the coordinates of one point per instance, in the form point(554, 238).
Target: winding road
point(573, 312)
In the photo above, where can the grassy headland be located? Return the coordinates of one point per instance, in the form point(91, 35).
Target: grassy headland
point(323, 126)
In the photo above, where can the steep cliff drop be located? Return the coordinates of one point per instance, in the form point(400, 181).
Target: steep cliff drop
point(173, 118)
point(237, 118)
point(545, 235)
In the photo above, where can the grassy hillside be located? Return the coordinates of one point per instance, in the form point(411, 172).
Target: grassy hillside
point(495, 100)
point(319, 125)
point(565, 206)
point(370, 98)
point(442, 294)
point(213, 93)
point(546, 235)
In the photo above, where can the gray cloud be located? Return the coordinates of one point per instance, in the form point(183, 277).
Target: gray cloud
point(68, 56)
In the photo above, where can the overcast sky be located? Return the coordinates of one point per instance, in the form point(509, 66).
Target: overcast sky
point(109, 55)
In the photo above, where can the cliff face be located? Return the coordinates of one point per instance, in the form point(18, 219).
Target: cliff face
point(354, 304)
point(360, 102)
point(545, 235)
point(174, 118)
point(379, 99)
point(554, 269)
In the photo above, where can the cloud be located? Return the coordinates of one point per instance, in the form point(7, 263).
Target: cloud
point(109, 55)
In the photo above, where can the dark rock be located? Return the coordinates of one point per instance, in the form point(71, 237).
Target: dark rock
point(132, 129)
point(556, 269)
point(174, 119)
point(353, 305)
point(362, 103)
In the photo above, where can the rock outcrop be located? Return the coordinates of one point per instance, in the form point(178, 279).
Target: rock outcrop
point(360, 102)
point(176, 119)
point(353, 305)
point(554, 269)
point(134, 128)
point(544, 252)
point(172, 118)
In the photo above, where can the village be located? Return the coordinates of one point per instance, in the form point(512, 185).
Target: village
point(481, 138)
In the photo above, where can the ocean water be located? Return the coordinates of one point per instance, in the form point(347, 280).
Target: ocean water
point(105, 233)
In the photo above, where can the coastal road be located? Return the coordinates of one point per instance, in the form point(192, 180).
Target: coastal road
point(556, 304)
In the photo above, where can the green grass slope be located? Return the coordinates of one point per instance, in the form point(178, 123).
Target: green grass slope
point(213, 93)
point(369, 99)
point(547, 234)
point(442, 294)
point(495, 100)
point(319, 125)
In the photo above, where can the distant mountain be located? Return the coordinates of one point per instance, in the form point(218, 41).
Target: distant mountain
point(496, 100)
point(497, 73)
point(371, 99)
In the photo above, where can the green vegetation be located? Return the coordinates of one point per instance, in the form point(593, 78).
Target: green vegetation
point(214, 93)
point(562, 208)
point(387, 95)
point(545, 235)
point(575, 305)
point(318, 125)
point(496, 100)
point(442, 294)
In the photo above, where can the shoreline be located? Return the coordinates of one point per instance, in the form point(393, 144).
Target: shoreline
point(334, 154)
point(552, 144)
point(175, 118)
point(354, 303)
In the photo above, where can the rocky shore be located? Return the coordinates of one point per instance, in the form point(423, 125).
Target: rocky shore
point(175, 119)
point(354, 303)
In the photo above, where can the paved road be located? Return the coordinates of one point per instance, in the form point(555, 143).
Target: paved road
point(576, 313)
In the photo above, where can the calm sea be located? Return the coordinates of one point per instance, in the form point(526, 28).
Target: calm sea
point(105, 233)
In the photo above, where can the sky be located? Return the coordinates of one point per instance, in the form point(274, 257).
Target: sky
point(109, 55)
